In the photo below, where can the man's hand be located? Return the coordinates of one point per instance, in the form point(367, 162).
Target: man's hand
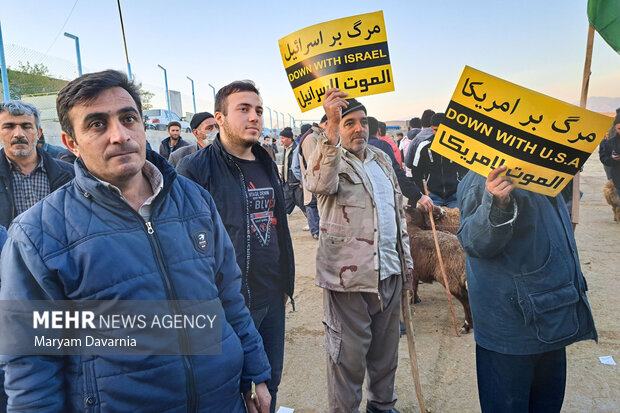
point(408, 280)
point(426, 202)
point(261, 401)
point(500, 187)
point(333, 103)
point(615, 156)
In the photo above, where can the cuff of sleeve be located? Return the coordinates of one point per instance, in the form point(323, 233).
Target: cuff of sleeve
point(498, 217)
point(324, 141)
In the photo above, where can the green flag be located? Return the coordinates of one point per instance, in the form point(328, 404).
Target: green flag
point(604, 16)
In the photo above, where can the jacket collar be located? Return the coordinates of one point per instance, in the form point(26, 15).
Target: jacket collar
point(259, 152)
point(90, 186)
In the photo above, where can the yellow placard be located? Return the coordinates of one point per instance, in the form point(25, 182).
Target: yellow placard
point(349, 53)
point(543, 141)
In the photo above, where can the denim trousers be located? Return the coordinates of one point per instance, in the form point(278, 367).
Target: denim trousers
point(269, 321)
point(312, 215)
point(521, 383)
point(449, 202)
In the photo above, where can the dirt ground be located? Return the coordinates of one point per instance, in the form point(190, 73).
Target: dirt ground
point(447, 362)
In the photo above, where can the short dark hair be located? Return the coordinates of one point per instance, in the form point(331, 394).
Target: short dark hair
point(373, 127)
point(426, 118)
point(86, 88)
point(437, 119)
point(229, 89)
point(415, 123)
point(382, 128)
point(399, 134)
point(174, 123)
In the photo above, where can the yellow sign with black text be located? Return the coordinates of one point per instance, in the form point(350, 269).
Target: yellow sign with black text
point(542, 141)
point(350, 54)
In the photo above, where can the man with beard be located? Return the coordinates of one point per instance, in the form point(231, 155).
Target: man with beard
point(243, 180)
point(27, 173)
point(172, 142)
point(362, 259)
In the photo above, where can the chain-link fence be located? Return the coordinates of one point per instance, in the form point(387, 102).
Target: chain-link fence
point(37, 78)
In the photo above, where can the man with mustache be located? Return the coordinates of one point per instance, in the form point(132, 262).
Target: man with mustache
point(243, 180)
point(363, 259)
point(128, 228)
point(27, 173)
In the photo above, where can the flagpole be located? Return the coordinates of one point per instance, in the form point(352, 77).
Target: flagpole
point(584, 98)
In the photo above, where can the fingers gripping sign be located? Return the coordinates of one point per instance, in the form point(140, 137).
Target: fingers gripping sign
point(500, 186)
point(333, 104)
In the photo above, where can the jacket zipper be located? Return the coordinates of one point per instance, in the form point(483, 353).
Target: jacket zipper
point(172, 300)
point(247, 233)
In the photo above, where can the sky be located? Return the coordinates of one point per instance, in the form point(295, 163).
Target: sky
point(536, 44)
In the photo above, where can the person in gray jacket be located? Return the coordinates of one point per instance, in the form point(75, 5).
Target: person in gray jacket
point(204, 127)
point(526, 290)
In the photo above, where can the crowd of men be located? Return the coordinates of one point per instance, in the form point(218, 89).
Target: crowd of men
point(208, 221)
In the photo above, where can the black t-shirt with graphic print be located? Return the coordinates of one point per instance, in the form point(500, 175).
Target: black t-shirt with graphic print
point(264, 276)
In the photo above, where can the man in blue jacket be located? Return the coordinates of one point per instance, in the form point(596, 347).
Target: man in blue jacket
point(127, 228)
point(526, 290)
point(243, 180)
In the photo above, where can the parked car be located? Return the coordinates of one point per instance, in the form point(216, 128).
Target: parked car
point(158, 119)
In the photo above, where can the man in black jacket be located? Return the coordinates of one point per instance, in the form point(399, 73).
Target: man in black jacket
point(293, 192)
point(172, 142)
point(408, 187)
point(244, 183)
point(441, 174)
point(27, 173)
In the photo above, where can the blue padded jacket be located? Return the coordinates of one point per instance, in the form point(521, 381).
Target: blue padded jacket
point(84, 242)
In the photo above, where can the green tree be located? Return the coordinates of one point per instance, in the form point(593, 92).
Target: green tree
point(32, 79)
point(146, 96)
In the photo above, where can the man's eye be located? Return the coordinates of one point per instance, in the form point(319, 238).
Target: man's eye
point(96, 124)
point(130, 118)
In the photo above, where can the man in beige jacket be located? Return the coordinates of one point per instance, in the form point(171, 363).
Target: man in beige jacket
point(362, 260)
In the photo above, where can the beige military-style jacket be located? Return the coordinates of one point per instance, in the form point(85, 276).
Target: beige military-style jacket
point(348, 255)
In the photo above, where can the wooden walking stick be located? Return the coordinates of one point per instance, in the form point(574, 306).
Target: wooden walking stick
point(443, 271)
point(406, 308)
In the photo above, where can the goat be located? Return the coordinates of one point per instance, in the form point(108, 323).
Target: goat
point(611, 196)
point(426, 266)
point(446, 219)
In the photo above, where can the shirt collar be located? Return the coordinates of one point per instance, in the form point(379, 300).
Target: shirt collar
point(368, 156)
point(15, 167)
point(152, 174)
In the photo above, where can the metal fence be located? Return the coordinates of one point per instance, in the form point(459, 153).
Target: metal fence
point(37, 78)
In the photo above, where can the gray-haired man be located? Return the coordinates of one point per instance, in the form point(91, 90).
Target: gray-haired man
point(27, 173)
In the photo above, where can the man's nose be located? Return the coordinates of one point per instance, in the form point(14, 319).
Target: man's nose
point(118, 133)
point(19, 132)
point(358, 127)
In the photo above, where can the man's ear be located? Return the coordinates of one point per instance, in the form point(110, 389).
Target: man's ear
point(70, 143)
point(219, 118)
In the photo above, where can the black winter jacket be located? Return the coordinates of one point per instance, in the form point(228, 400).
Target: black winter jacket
point(441, 174)
point(58, 174)
point(217, 172)
point(605, 152)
